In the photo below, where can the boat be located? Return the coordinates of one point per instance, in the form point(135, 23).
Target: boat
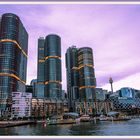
point(103, 118)
point(67, 118)
point(116, 116)
point(85, 118)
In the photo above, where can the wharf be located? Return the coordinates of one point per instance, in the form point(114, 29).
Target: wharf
point(61, 122)
point(4, 124)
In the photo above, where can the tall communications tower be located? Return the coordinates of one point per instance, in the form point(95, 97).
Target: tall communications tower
point(111, 83)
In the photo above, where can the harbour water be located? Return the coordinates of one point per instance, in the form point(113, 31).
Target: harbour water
point(104, 128)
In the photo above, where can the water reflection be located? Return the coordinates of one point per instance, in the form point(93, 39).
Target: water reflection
point(126, 128)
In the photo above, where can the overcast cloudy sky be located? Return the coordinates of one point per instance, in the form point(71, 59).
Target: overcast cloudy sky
point(113, 31)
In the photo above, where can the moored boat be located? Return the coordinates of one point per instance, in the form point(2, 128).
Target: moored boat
point(85, 118)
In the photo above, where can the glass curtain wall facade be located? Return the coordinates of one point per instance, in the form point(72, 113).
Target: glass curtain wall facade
point(53, 87)
point(34, 87)
point(127, 92)
point(13, 57)
point(40, 70)
point(81, 80)
point(72, 76)
point(87, 82)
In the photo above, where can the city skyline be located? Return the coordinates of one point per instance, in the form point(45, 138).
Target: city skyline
point(108, 30)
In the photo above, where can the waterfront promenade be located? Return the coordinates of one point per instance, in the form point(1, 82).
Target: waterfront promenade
point(15, 123)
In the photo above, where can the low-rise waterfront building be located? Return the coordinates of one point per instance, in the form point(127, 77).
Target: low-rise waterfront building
point(21, 104)
point(128, 105)
point(94, 108)
point(42, 108)
point(126, 100)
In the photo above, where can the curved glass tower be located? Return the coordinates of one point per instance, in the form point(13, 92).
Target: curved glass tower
point(40, 69)
point(86, 74)
point(53, 87)
point(13, 57)
point(72, 76)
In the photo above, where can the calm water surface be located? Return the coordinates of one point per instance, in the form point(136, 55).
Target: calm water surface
point(124, 128)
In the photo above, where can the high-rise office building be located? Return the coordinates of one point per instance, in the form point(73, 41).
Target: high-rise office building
point(13, 57)
point(49, 67)
point(53, 87)
point(87, 81)
point(81, 80)
point(40, 69)
point(72, 76)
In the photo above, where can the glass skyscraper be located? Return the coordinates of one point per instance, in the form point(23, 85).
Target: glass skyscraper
point(53, 87)
point(13, 57)
point(87, 80)
point(40, 69)
point(49, 67)
point(81, 80)
point(72, 75)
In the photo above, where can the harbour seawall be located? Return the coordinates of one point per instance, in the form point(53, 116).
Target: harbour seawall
point(15, 123)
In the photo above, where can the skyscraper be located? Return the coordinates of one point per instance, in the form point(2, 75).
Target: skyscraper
point(13, 57)
point(49, 67)
point(81, 80)
point(72, 75)
point(87, 81)
point(53, 87)
point(40, 69)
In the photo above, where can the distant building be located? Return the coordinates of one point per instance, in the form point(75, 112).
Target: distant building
point(101, 94)
point(13, 58)
point(126, 100)
point(137, 93)
point(21, 104)
point(29, 88)
point(126, 92)
point(64, 95)
point(32, 88)
point(35, 87)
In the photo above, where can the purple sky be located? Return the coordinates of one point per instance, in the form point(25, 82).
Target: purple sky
point(113, 31)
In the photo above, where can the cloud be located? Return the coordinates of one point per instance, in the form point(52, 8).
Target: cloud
point(130, 81)
point(111, 30)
